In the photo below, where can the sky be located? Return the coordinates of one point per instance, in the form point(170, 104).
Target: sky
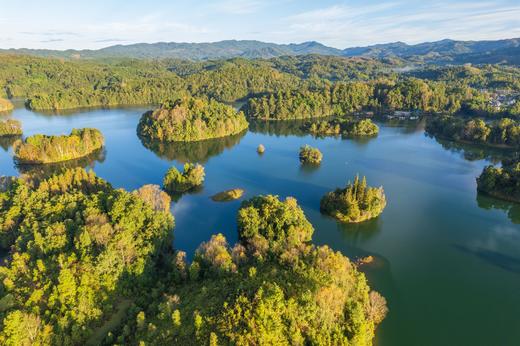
point(71, 24)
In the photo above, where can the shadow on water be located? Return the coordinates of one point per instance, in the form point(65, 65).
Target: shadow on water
point(7, 141)
point(279, 128)
point(512, 209)
point(176, 196)
point(506, 262)
point(359, 232)
point(200, 151)
point(405, 126)
point(474, 152)
point(43, 171)
point(308, 169)
point(64, 113)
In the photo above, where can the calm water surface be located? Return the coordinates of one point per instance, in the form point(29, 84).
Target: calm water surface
point(447, 260)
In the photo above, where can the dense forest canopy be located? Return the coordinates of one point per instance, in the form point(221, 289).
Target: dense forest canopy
point(310, 155)
point(502, 182)
point(504, 132)
point(78, 251)
point(89, 264)
point(10, 127)
point(40, 149)
point(357, 202)
point(283, 87)
point(191, 119)
point(191, 177)
point(272, 288)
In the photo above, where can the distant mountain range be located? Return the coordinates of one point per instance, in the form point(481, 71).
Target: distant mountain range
point(440, 52)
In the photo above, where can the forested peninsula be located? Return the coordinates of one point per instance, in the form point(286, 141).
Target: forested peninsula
point(501, 182)
point(91, 265)
point(191, 119)
point(41, 149)
point(501, 133)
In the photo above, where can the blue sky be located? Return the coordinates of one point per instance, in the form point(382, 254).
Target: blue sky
point(61, 24)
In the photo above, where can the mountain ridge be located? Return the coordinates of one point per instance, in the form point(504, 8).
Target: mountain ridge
point(444, 51)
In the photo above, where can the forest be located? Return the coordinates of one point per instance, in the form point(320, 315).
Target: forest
point(263, 289)
point(278, 88)
point(191, 177)
point(502, 182)
point(39, 149)
point(502, 133)
point(80, 251)
point(191, 119)
point(10, 127)
point(92, 264)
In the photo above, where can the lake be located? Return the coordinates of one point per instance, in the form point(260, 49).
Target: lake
point(446, 259)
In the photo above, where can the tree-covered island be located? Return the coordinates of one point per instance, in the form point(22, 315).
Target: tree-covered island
point(41, 149)
point(178, 182)
point(357, 202)
point(310, 155)
point(191, 119)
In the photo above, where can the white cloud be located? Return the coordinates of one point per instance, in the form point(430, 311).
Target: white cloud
point(344, 26)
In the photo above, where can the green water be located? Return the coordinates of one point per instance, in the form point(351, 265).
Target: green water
point(447, 260)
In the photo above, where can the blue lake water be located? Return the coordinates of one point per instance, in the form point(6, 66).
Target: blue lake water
point(447, 260)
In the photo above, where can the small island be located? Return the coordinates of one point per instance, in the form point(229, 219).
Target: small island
point(357, 202)
point(5, 105)
point(310, 155)
point(501, 182)
point(42, 149)
point(10, 127)
point(228, 195)
point(343, 127)
point(177, 182)
point(191, 119)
